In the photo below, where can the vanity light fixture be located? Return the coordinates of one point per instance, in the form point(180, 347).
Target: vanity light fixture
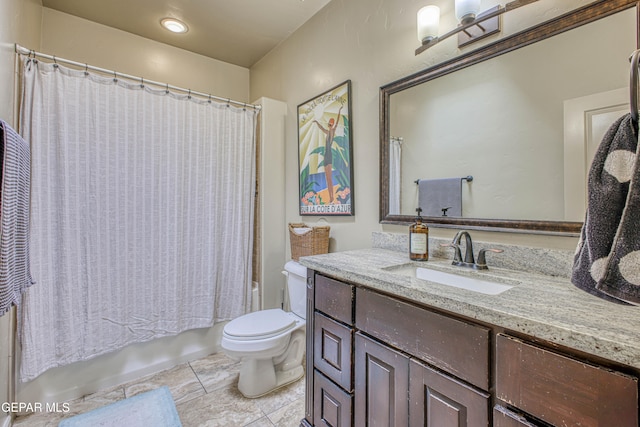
point(474, 25)
point(174, 25)
point(428, 23)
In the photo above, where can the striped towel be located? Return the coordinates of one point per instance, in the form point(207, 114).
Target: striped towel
point(15, 274)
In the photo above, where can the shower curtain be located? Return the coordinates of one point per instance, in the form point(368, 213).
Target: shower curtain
point(142, 214)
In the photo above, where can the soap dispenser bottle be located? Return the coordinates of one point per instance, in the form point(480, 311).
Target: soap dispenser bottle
point(419, 239)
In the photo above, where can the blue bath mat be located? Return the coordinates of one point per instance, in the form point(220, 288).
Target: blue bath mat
point(153, 408)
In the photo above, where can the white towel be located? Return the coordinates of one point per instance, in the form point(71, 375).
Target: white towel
point(301, 230)
point(15, 274)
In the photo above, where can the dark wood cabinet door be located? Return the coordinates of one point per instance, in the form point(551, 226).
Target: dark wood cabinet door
point(333, 407)
point(437, 400)
point(381, 385)
point(332, 350)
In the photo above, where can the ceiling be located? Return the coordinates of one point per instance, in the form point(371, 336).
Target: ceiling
point(239, 32)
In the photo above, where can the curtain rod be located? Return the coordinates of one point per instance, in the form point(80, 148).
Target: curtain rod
point(24, 51)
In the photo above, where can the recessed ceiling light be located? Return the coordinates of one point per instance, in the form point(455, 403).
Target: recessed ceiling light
point(174, 25)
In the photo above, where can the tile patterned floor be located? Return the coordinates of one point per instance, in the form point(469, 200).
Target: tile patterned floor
point(205, 394)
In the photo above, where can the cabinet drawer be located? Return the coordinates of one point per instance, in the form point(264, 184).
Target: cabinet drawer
point(332, 350)
point(452, 345)
point(333, 407)
point(563, 391)
point(334, 298)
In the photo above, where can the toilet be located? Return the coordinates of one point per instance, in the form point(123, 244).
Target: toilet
point(270, 343)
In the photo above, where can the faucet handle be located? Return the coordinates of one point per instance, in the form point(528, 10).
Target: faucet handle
point(457, 255)
point(482, 262)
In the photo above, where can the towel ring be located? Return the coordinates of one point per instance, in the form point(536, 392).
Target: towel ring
point(633, 85)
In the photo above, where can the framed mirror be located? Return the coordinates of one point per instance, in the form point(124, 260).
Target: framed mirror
point(511, 115)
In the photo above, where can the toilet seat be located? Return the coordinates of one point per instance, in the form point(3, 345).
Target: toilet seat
point(260, 325)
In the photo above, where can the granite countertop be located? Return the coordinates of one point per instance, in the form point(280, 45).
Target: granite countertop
point(547, 307)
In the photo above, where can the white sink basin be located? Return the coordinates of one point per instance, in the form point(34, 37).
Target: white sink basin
point(474, 284)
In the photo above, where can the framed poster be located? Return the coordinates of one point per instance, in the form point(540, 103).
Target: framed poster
point(325, 153)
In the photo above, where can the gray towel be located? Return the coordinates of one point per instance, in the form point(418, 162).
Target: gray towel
point(437, 194)
point(15, 275)
point(607, 261)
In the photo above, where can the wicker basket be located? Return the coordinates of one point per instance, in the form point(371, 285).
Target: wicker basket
point(315, 241)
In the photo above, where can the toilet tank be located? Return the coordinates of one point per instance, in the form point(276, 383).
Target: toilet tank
point(297, 287)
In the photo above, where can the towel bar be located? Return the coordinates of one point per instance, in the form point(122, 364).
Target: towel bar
point(467, 178)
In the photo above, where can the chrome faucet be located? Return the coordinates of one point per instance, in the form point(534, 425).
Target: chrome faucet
point(469, 260)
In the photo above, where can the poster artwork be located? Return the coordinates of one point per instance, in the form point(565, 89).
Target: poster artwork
point(325, 148)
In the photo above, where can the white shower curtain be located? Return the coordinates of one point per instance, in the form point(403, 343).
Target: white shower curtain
point(395, 156)
point(142, 214)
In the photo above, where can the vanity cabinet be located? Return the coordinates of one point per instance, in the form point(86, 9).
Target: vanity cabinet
point(377, 360)
point(381, 361)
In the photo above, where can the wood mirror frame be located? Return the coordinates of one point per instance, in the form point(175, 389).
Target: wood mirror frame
point(566, 22)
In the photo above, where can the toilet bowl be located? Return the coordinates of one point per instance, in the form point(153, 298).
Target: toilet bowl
point(270, 343)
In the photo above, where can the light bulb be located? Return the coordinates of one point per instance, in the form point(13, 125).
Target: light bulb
point(428, 23)
point(467, 10)
point(174, 25)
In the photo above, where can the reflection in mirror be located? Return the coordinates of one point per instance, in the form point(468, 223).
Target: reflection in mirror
point(510, 122)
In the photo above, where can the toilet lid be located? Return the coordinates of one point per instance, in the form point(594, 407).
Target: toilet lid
point(260, 324)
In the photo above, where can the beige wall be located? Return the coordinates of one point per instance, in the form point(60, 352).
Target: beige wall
point(19, 23)
point(84, 41)
point(372, 44)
